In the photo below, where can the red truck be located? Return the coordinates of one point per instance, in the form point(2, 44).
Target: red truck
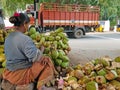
point(76, 19)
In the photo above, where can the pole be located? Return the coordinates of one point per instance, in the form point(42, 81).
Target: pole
point(36, 2)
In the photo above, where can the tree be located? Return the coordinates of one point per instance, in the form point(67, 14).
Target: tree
point(109, 10)
point(10, 6)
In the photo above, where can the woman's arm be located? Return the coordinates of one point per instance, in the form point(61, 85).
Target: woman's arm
point(31, 51)
point(38, 56)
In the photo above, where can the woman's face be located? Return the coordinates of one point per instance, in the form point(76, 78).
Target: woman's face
point(26, 26)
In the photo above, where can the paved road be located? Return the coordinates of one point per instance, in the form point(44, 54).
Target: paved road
point(95, 45)
point(107, 40)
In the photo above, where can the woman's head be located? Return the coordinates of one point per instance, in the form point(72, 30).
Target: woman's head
point(19, 19)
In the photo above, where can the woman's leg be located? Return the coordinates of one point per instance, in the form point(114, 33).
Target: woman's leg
point(43, 73)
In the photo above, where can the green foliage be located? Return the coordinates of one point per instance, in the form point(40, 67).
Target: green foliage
point(11, 6)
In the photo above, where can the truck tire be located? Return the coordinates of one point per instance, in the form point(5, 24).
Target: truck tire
point(78, 33)
point(70, 34)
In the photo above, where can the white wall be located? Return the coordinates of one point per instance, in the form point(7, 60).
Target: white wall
point(105, 24)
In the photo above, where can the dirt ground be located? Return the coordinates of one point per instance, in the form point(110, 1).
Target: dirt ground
point(83, 56)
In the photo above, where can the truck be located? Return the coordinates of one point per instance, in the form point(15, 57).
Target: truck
point(76, 20)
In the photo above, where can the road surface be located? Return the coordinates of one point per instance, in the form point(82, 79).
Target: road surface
point(94, 45)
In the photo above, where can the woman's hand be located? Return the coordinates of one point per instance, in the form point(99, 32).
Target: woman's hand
point(44, 60)
point(42, 49)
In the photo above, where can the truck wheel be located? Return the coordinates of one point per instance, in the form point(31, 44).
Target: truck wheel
point(70, 34)
point(78, 33)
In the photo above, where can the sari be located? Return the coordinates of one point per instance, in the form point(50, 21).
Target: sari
point(38, 72)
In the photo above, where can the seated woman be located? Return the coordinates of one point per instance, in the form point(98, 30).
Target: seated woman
point(25, 63)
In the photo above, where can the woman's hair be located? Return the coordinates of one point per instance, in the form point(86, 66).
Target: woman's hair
point(19, 19)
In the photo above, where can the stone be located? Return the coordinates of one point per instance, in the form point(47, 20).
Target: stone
point(48, 88)
point(6, 85)
point(25, 87)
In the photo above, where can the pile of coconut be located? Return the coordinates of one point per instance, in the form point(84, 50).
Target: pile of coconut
point(99, 74)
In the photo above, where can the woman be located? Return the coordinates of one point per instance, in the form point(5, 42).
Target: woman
point(25, 63)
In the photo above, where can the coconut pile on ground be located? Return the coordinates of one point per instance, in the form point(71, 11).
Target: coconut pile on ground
point(99, 74)
point(55, 43)
point(3, 35)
